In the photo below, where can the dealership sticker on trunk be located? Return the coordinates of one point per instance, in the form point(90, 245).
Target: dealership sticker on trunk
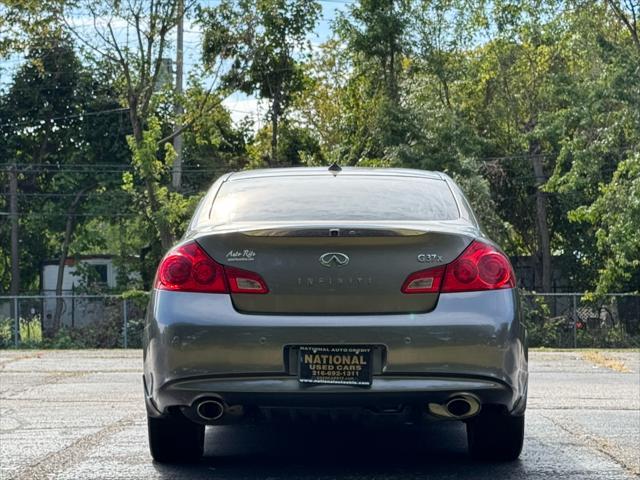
point(340, 365)
point(241, 255)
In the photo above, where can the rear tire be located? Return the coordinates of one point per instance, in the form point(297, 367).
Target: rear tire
point(495, 436)
point(175, 439)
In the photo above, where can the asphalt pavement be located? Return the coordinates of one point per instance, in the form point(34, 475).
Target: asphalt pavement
point(80, 415)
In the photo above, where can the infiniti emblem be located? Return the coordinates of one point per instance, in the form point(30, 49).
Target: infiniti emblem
point(330, 259)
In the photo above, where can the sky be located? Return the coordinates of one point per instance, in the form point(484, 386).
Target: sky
point(240, 105)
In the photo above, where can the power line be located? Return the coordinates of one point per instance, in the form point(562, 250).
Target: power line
point(62, 214)
point(64, 195)
point(115, 195)
point(41, 122)
point(90, 165)
point(30, 123)
point(107, 193)
point(97, 171)
point(43, 167)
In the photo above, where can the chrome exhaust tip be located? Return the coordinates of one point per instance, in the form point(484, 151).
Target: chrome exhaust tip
point(210, 410)
point(459, 407)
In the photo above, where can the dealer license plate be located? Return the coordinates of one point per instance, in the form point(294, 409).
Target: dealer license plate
point(340, 365)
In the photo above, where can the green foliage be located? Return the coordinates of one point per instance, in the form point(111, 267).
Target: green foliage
point(296, 147)
point(259, 38)
point(106, 333)
point(49, 142)
point(30, 333)
point(478, 190)
point(613, 338)
point(545, 330)
point(597, 167)
point(135, 332)
point(478, 90)
point(22, 21)
point(376, 33)
point(542, 331)
point(262, 42)
point(616, 217)
point(481, 91)
point(167, 210)
point(212, 144)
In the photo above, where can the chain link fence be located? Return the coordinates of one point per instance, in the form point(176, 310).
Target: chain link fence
point(72, 321)
point(555, 320)
point(571, 320)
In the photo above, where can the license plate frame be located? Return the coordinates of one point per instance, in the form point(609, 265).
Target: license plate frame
point(335, 365)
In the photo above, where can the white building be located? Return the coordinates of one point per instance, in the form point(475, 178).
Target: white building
point(77, 308)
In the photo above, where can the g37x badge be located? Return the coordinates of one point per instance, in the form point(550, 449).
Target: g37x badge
point(429, 258)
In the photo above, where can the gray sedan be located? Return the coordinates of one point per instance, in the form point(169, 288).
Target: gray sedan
point(352, 293)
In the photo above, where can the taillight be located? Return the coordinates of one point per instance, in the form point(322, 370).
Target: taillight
point(188, 268)
point(242, 281)
point(424, 281)
point(479, 267)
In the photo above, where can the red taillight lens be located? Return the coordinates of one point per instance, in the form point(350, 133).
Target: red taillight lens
point(242, 281)
point(189, 269)
point(480, 267)
point(424, 281)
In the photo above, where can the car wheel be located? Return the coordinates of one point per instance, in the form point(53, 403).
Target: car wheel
point(495, 436)
point(175, 439)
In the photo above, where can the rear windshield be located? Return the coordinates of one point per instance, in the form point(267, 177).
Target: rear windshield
point(344, 197)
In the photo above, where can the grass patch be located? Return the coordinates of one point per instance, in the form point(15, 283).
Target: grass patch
point(30, 333)
point(598, 358)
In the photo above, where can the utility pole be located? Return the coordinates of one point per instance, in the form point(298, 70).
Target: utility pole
point(176, 179)
point(13, 210)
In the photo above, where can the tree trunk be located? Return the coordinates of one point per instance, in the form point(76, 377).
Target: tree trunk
point(166, 238)
point(392, 85)
point(628, 20)
point(543, 254)
point(68, 233)
point(275, 114)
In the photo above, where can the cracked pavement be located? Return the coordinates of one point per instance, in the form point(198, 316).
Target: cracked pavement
point(80, 415)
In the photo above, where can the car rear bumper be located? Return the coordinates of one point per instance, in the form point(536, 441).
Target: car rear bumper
point(197, 346)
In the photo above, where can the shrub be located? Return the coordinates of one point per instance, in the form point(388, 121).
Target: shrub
point(30, 333)
point(543, 331)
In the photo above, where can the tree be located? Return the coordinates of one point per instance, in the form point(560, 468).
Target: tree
point(48, 136)
point(627, 13)
point(616, 228)
point(320, 105)
point(598, 156)
point(21, 21)
point(377, 36)
point(532, 106)
point(37, 114)
point(297, 144)
point(140, 65)
point(511, 84)
point(212, 144)
point(262, 41)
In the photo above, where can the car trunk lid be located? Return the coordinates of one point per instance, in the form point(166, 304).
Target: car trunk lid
point(344, 269)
